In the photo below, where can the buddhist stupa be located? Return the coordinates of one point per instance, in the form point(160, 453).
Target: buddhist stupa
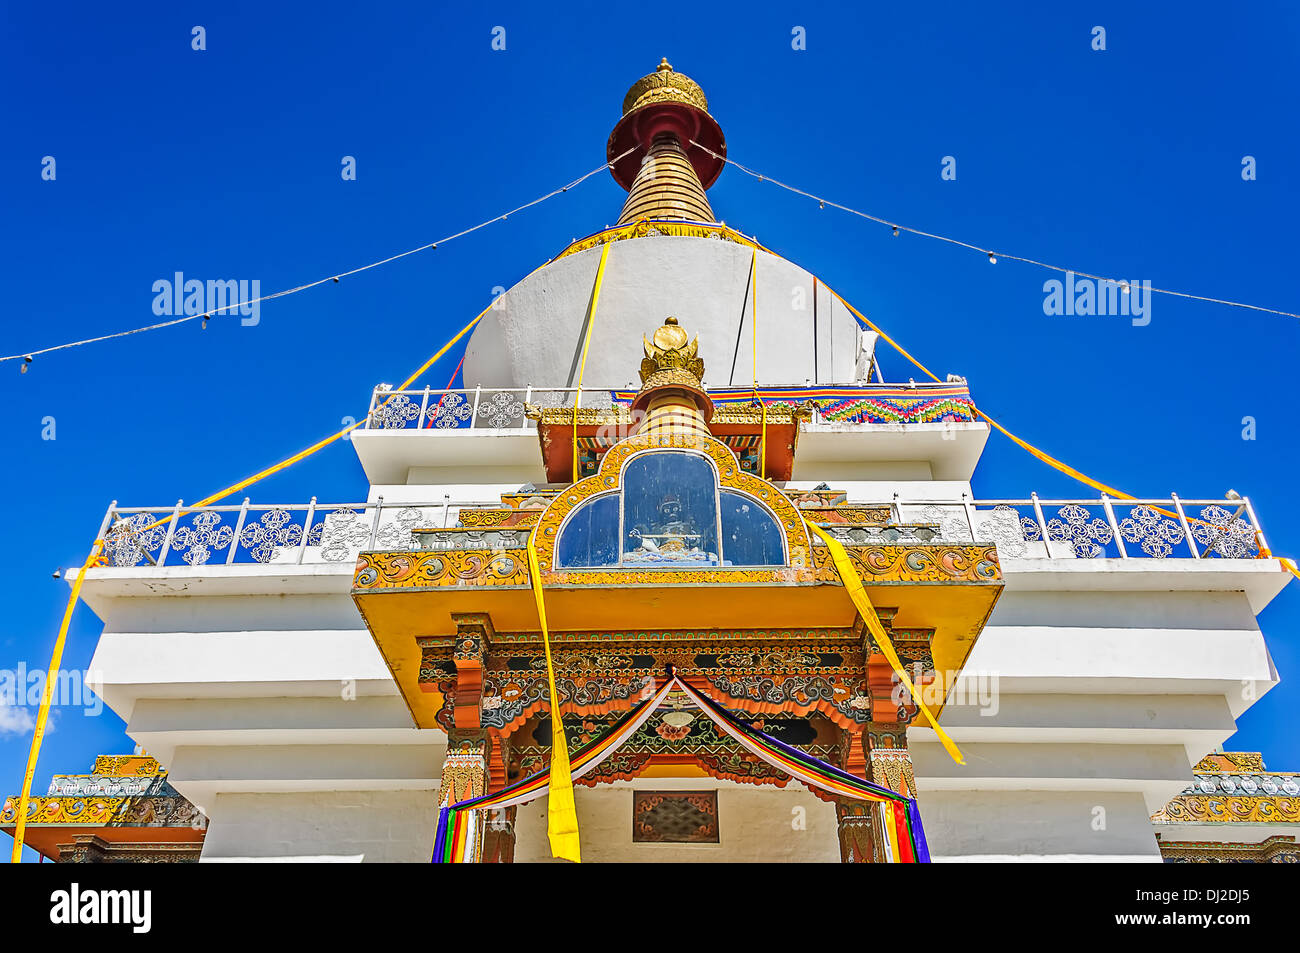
point(781, 626)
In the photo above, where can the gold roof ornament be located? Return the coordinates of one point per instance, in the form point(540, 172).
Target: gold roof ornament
point(664, 85)
point(669, 359)
point(666, 176)
point(672, 396)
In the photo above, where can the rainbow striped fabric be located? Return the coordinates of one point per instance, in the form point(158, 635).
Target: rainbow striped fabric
point(460, 826)
point(861, 404)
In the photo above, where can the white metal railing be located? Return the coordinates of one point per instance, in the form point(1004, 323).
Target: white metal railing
point(269, 533)
point(492, 408)
point(313, 532)
point(1098, 528)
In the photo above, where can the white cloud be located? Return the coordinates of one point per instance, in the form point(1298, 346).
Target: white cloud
point(15, 720)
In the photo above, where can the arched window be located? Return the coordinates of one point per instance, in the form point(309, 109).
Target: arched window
point(750, 536)
point(670, 510)
point(590, 536)
point(670, 514)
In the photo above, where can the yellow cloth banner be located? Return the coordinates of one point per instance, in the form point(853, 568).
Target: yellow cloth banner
point(853, 585)
point(561, 814)
point(586, 345)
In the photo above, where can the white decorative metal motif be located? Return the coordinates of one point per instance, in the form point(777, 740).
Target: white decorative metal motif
point(127, 540)
point(1073, 526)
point(502, 410)
point(1155, 534)
point(271, 535)
point(396, 412)
point(450, 410)
point(199, 539)
point(1221, 532)
point(343, 535)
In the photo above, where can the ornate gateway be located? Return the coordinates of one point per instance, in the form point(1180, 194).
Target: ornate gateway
point(673, 557)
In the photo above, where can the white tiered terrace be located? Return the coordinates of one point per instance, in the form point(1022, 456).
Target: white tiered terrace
point(1123, 648)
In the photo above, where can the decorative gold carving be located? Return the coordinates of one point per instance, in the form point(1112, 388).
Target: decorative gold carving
point(735, 415)
point(534, 500)
point(664, 85)
point(464, 567)
point(844, 513)
point(135, 811)
point(817, 498)
point(616, 415)
point(1203, 809)
point(1280, 849)
point(1223, 761)
point(478, 519)
point(630, 640)
point(854, 821)
point(127, 765)
point(893, 769)
point(641, 229)
point(669, 359)
point(484, 567)
point(932, 563)
point(464, 772)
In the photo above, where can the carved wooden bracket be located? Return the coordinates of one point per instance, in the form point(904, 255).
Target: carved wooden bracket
point(474, 635)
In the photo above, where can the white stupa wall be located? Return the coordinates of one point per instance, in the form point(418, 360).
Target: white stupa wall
point(534, 335)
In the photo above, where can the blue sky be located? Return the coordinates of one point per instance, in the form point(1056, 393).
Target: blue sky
point(226, 163)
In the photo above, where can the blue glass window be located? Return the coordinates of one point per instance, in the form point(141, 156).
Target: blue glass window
point(670, 515)
point(590, 536)
point(750, 536)
point(670, 511)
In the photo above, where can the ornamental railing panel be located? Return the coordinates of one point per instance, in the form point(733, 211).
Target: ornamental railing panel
point(270, 534)
point(479, 408)
point(316, 533)
point(1100, 528)
point(484, 408)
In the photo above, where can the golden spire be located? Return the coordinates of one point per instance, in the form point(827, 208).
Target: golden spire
point(665, 174)
point(666, 186)
point(671, 396)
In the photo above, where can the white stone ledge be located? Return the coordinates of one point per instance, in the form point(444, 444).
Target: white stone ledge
point(244, 714)
point(1009, 765)
point(238, 579)
point(1046, 859)
point(1260, 579)
point(1198, 722)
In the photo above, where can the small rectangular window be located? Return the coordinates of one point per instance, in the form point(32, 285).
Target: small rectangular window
point(675, 817)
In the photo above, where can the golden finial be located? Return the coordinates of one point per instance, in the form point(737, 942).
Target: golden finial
point(669, 359)
point(671, 397)
point(663, 105)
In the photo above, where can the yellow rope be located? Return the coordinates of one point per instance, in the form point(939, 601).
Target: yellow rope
point(753, 297)
point(43, 713)
point(561, 813)
point(56, 657)
point(586, 344)
point(1058, 465)
point(853, 585)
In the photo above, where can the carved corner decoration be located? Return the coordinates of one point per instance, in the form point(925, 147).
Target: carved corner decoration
point(464, 772)
point(1279, 849)
point(133, 765)
point(465, 567)
point(944, 562)
point(469, 655)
